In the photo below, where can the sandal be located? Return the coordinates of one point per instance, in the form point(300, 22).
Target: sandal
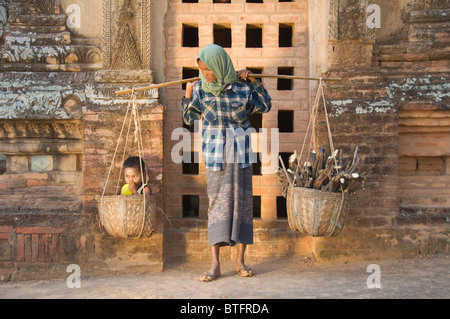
point(207, 277)
point(245, 272)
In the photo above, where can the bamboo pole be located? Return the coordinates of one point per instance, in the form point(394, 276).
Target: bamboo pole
point(156, 86)
point(160, 85)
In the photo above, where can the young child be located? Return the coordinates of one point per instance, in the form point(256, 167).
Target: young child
point(133, 177)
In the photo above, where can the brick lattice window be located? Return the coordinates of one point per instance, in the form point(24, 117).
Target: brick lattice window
point(222, 35)
point(191, 205)
point(285, 84)
point(285, 33)
point(190, 36)
point(286, 121)
point(253, 36)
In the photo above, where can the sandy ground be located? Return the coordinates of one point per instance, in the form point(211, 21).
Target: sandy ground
point(422, 277)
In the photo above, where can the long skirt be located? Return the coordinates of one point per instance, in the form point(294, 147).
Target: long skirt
point(230, 213)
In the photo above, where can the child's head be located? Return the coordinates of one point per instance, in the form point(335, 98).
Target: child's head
point(132, 170)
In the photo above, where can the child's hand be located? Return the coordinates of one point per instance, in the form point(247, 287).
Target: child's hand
point(132, 187)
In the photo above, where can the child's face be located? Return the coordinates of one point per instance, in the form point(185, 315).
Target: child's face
point(132, 175)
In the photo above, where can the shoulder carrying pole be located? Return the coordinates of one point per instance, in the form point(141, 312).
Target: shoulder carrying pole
point(288, 77)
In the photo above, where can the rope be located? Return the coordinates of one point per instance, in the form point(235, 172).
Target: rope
point(131, 102)
point(133, 114)
point(319, 95)
point(115, 152)
point(137, 125)
point(330, 137)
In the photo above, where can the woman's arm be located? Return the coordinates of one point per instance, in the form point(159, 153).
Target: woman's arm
point(259, 101)
point(191, 105)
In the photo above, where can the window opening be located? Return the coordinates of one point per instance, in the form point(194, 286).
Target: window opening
point(191, 206)
point(285, 84)
point(286, 121)
point(188, 73)
point(285, 158)
point(192, 167)
point(222, 35)
point(281, 207)
point(256, 206)
point(257, 165)
point(285, 34)
point(253, 35)
point(190, 36)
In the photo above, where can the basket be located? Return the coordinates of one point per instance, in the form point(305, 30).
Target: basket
point(128, 216)
point(316, 213)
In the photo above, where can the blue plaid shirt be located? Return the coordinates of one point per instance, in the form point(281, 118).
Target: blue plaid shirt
point(225, 122)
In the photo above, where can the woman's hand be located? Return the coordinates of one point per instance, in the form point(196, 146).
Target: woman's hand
point(189, 89)
point(243, 74)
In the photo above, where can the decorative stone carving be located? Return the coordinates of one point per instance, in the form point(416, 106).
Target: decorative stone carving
point(428, 4)
point(347, 21)
point(36, 12)
point(350, 38)
point(36, 39)
point(11, 129)
point(126, 34)
point(34, 96)
point(118, 76)
point(126, 54)
point(4, 26)
point(25, 7)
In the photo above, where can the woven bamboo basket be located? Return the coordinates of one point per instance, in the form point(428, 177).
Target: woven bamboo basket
point(316, 213)
point(128, 216)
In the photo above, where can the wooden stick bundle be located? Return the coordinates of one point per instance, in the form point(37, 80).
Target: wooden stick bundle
point(160, 85)
point(326, 173)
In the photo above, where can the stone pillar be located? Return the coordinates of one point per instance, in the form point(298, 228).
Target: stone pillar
point(126, 64)
point(350, 40)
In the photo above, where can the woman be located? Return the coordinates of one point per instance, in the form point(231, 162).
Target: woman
point(222, 100)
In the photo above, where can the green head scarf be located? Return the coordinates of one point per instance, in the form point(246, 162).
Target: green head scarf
point(219, 62)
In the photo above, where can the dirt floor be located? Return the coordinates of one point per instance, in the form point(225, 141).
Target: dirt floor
point(422, 277)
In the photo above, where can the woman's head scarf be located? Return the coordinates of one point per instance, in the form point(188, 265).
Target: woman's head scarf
point(219, 62)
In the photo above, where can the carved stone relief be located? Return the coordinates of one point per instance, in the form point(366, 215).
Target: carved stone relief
point(26, 7)
point(30, 95)
point(347, 21)
point(36, 39)
point(34, 129)
point(126, 34)
point(350, 40)
point(4, 25)
point(428, 4)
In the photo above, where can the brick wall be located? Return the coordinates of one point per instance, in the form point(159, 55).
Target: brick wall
point(396, 110)
point(55, 152)
point(267, 57)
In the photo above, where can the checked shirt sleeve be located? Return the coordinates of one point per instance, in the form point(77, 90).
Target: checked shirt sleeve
point(191, 109)
point(260, 101)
